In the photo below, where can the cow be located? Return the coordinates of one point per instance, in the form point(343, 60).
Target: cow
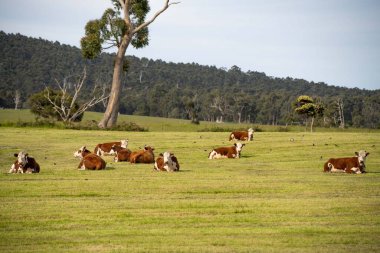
point(89, 161)
point(166, 162)
point(121, 154)
point(105, 148)
point(227, 152)
point(353, 165)
point(242, 135)
point(24, 164)
point(142, 156)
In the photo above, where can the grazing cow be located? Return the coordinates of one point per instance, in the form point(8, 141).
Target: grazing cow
point(226, 152)
point(24, 164)
point(89, 161)
point(105, 148)
point(348, 164)
point(242, 135)
point(166, 162)
point(143, 156)
point(121, 154)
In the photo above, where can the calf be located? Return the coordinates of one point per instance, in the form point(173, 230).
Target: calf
point(24, 164)
point(348, 164)
point(226, 152)
point(143, 156)
point(89, 161)
point(105, 148)
point(166, 162)
point(121, 154)
point(242, 135)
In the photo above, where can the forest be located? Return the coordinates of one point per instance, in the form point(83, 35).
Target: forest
point(178, 90)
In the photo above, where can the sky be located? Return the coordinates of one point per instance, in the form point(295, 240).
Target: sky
point(331, 41)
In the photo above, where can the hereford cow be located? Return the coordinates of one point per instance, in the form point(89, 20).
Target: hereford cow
point(226, 152)
point(24, 164)
point(105, 148)
point(143, 156)
point(166, 162)
point(89, 161)
point(121, 154)
point(348, 164)
point(242, 135)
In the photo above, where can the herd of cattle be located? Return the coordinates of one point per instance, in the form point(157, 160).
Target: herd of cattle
point(168, 161)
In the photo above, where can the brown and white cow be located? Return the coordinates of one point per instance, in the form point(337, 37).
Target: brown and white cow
point(89, 161)
point(105, 148)
point(24, 164)
point(166, 162)
point(227, 152)
point(143, 156)
point(121, 154)
point(347, 164)
point(242, 135)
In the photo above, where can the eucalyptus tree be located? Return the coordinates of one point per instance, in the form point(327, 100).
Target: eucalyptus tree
point(120, 26)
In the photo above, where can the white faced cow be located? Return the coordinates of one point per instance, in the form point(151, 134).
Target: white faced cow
point(242, 135)
point(24, 164)
point(105, 148)
point(227, 152)
point(166, 162)
point(89, 161)
point(347, 164)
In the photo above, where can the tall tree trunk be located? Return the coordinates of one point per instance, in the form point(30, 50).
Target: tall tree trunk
point(112, 110)
point(311, 124)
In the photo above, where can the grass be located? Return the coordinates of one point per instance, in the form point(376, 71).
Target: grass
point(274, 199)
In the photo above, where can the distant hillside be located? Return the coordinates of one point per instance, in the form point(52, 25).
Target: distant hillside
point(157, 88)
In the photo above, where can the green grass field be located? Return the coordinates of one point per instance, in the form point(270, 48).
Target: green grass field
point(274, 199)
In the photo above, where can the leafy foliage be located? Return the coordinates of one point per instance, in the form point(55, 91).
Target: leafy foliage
point(158, 88)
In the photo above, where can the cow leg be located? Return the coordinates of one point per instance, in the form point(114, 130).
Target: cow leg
point(333, 169)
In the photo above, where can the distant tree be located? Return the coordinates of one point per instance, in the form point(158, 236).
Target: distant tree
point(112, 30)
point(305, 106)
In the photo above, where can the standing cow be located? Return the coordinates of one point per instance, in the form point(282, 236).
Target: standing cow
point(227, 152)
point(242, 135)
point(89, 161)
point(143, 156)
point(24, 164)
point(347, 164)
point(166, 162)
point(105, 148)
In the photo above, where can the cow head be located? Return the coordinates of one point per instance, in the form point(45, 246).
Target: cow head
point(22, 158)
point(167, 157)
point(250, 134)
point(148, 148)
point(81, 152)
point(361, 155)
point(239, 146)
point(124, 143)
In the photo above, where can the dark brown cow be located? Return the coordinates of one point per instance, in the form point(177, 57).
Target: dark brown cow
point(226, 152)
point(89, 161)
point(347, 164)
point(105, 148)
point(121, 154)
point(242, 135)
point(166, 162)
point(143, 156)
point(24, 164)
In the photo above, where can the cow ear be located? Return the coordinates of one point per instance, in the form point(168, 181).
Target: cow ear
point(366, 154)
point(243, 145)
point(356, 153)
point(160, 154)
point(15, 155)
point(235, 144)
point(26, 154)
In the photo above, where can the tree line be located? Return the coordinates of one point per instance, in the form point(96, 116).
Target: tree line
point(178, 90)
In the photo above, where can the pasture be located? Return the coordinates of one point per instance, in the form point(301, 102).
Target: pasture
point(275, 198)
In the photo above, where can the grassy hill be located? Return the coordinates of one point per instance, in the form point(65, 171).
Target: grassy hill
point(274, 199)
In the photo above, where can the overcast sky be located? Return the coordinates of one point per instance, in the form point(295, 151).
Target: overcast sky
point(331, 41)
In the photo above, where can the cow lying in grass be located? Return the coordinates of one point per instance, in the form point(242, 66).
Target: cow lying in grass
point(121, 154)
point(105, 148)
point(242, 135)
point(142, 156)
point(89, 161)
point(226, 152)
point(166, 162)
point(347, 164)
point(24, 164)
